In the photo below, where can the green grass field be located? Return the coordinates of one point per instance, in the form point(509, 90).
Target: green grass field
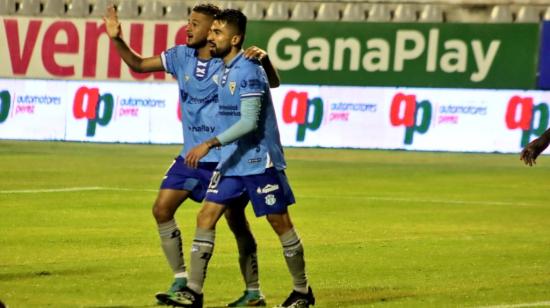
point(380, 229)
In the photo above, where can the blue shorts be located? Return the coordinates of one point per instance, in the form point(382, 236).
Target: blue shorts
point(269, 192)
point(181, 177)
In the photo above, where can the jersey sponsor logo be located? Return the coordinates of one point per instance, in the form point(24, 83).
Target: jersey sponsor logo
point(229, 110)
point(522, 113)
point(5, 104)
point(202, 129)
point(267, 189)
point(210, 98)
point(90, 105)
point(415, 116)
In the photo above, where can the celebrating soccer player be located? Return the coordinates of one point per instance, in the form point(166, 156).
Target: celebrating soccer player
point(252, 162)
point(194, 69)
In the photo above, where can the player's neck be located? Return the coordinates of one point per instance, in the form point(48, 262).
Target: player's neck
point(204, 53)
point(231, 55)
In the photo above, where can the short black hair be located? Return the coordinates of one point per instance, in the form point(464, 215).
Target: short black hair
point(235, 18)
point(207, 9)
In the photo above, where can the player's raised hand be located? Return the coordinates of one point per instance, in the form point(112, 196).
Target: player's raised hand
point(254, 52)
point(112, 25)
point(532, 151)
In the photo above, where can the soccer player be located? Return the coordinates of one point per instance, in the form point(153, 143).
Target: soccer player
point(251, 164)
point(194, 69)
point(534, 148)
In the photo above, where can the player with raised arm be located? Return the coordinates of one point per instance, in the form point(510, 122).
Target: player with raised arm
point(194, 68)
point(534, 148)
point(252, 163)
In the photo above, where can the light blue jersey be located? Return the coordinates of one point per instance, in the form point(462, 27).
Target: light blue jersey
point(198, 96)
point(260, 149)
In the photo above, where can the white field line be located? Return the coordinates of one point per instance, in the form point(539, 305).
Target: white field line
point(71, 189)
point(536, 304)
point(352, 197)
point(374, 198)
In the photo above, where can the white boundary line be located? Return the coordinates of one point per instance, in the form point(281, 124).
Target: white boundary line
point(356, 197)
point(537, 304)
point(71, 189)
point(460, 202)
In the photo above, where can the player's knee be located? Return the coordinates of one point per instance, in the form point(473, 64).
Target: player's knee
point(279, 223)
point(162, 213)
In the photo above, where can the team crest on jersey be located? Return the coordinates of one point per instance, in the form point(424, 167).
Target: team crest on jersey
point(232, 86)
point(215, 79)
point(186, 77)
point(270, 199)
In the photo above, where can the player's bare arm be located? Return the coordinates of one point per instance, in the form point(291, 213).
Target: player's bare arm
point(132, 59)
point(195, 154)
point(534, 148)
point(254, 52)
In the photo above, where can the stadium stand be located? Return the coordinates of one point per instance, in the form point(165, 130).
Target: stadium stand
point(253, 10)
point(431, 13)
point(329, 11)
point(78, 8)
point(151, 10)
point(404, 13)
point(54, 8)
point(176, 10)
point(501, 13)
point(528, 13)
point(29, 8)
point(7, 7)
point(379, 12)
point(127, 9)
point(278, 11)
point(492, 11)
point(99, 7)
point(354, 12)
point(303, 11)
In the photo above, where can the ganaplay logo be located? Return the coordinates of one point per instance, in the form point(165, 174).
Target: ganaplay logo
point(5, 103)
point(307, 113)
point(415, 116)
point(95, 107)
point(531, 118)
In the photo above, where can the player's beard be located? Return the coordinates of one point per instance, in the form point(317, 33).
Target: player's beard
point(219, 52)
point(198, 44)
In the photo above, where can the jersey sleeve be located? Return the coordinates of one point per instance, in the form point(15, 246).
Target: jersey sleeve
point(253, 81)
point(173, 58)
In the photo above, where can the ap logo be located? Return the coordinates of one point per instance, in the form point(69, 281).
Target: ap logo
point(307, 113)
point(532, 119)
point(5, 102)
point(406, 111)
point(98, 109)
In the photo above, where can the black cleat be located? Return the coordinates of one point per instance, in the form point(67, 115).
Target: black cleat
point(299, 300)
point(185, 298)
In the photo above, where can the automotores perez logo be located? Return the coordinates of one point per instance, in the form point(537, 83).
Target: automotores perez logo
point(95, 107)
point(5, 103)
point(307, 113)
point(415, 116)
point(522, 113)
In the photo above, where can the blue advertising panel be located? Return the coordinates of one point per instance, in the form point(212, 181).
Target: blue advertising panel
point(544, 57)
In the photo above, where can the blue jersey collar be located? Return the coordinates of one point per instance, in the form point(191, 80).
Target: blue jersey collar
point(239, 55)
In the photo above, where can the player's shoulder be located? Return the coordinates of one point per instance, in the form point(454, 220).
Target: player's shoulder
point(183, 50)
